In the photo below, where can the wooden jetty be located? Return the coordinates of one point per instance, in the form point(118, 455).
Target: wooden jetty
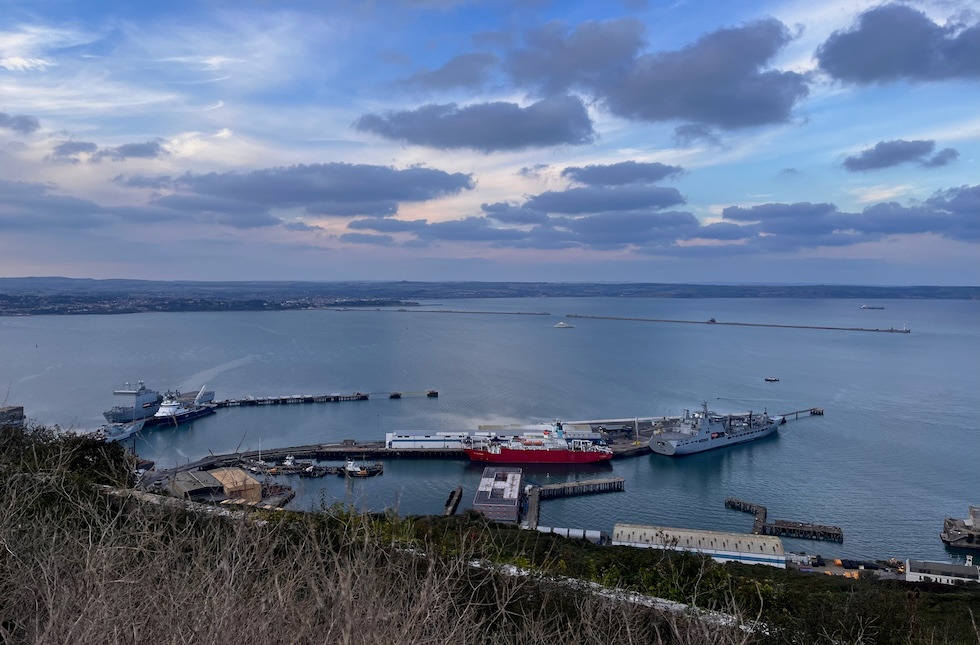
point(712, 321)
point(294, 399)
point(785, 528)
point(567, 489)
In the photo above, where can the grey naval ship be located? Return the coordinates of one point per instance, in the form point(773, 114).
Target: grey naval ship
point(142, 403)
point(705, 430)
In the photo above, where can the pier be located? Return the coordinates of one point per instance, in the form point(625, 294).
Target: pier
point(784, 528)
point(567, 489)
point(452, 503)
point(712, 321)
point(294, 399)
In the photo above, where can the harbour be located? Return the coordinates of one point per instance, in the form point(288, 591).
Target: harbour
point(849, 469)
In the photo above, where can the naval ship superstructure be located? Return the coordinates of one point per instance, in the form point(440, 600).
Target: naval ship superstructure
point(141, 403)
point(706, 430)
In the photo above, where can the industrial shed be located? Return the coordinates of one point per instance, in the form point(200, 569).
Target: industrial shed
point(723, 547)
point(238, 484)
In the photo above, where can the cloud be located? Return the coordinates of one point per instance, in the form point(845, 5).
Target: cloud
point(469, 229)
point(886, 154)
point(147, 150)
point(688, 134)
point(509, 214)
point(464, 71)
point(301, 226)
point(20, 123)
point(897, 42)
point(72, 148)
point(387, 225)
point(246, 200)
point(631, 228)
point(598, 199)
point(487, 127)
point(533, 172)
point(553, 62)
point(35, 206)
point(619, 174)
point(719, 80)
point(366, 238)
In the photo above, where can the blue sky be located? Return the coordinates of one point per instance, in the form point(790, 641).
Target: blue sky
point(711, 141)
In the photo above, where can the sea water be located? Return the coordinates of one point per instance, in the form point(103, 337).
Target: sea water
point(895, 453)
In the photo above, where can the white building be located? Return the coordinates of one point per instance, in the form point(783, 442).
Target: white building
point(720, 546)
point(942, 572)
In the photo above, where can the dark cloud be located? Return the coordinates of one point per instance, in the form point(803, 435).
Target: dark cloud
point(19, 123)
point(385, 225)
point(625, 228)
point(469, 229)
point(598, 199)
point(509, 214)
point(219, 210)
point(553, 62)
point(142, 181)
point(146, 150)
point(789, 171)
point(73, 148)
point(466, 71)
point(487, 127)
point(719, 80)
point(943, 157)
point(35, 206)
point(367, 238)
point(532, 172)
point(338, 189)
point(688, 134)
point(725, 231)
point(301, 226)
point(898, 42)
point(620, 174)
point(886, 154)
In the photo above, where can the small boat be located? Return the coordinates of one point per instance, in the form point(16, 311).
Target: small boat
point(352, 469)
point(870, 307)
point(772, 379)
point(564, 325)
point(120, 431)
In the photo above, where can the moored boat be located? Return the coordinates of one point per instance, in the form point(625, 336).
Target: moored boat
point(120, 431)
point(564, 325)
point(706, 430)
point(174, 411)
point(547, 447)
point(353, 469)
point(142, 403)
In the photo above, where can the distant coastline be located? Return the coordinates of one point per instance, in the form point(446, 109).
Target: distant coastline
point(76, 296)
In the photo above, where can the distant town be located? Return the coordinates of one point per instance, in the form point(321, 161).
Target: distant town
point(67, 296)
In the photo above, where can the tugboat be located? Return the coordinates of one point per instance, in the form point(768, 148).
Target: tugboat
point(172, 411)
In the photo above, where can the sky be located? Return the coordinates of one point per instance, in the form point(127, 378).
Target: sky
point(792, 141)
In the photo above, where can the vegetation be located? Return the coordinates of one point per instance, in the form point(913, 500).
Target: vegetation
point(80, 564)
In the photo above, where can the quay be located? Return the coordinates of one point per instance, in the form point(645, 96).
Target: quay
point(293, 399)
point(566, 489)
point(784, 528)
point(712, 321)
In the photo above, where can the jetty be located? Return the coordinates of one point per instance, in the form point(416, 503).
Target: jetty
point(712, 321)
point(293, 399)
point(566, 489)
point(784, 528)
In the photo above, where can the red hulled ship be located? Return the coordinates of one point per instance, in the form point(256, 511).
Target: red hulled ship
point(536, 448)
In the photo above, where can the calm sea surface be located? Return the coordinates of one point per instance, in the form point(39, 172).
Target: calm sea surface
point(896, 452)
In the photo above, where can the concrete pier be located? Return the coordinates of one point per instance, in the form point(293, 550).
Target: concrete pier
point(784, 528)
point(566, 489)
point(712, 321)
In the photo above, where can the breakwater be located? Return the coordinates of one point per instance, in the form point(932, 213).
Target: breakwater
point(712, 321)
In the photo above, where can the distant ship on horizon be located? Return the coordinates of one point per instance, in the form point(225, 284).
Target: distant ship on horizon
point(871, 307)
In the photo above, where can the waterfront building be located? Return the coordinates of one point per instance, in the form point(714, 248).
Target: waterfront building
point(942, 572)
point(720, 546)
point(500, 495)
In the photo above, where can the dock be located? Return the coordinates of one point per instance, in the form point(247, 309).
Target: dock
point(713, 322)
point(294, 399)
point(452, 503)
point(567, 489)
point(784, 528)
